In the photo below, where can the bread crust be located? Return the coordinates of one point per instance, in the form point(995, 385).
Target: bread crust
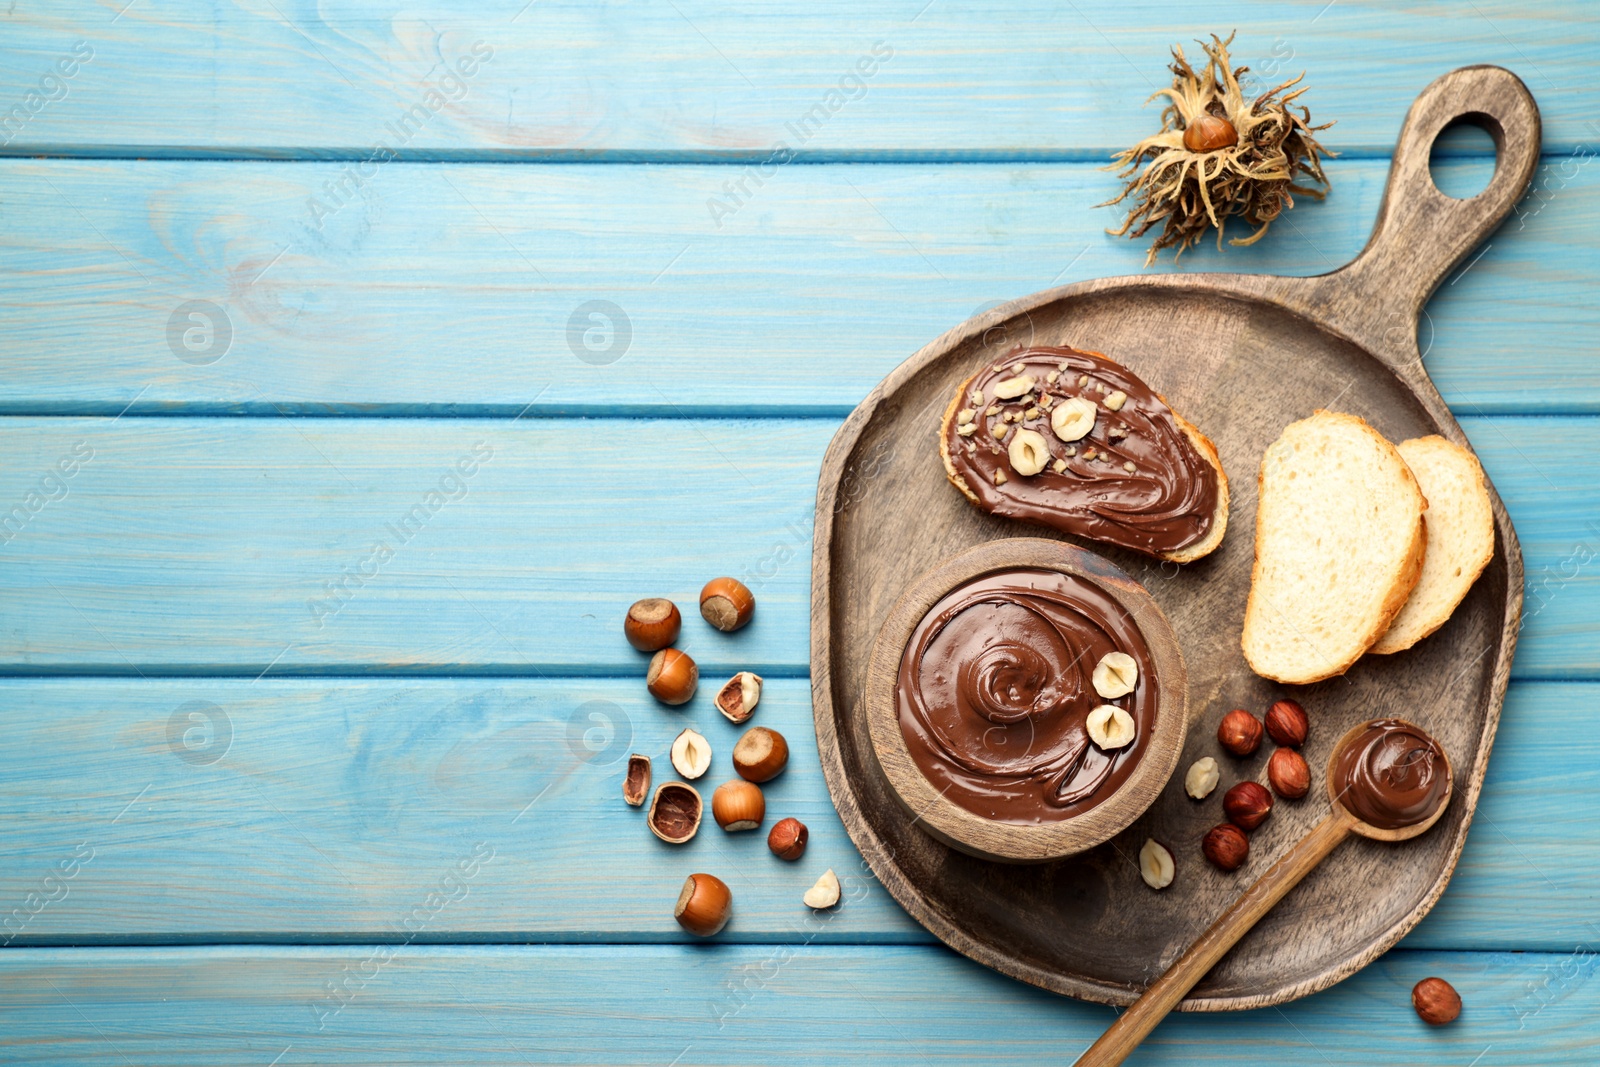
point(1202, 443)
point(1409, 574)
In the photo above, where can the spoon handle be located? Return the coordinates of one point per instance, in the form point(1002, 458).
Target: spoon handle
point(1164, 994)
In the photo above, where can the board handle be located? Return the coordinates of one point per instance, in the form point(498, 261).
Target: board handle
point(1421, 233)
point(1165, 992)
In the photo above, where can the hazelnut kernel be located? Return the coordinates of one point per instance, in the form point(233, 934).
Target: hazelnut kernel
point(760, 755)
point(1247, 805)
point(1202, 778)
point(788, 838)
point(1287, 724)
point(727, 603)
point(1239, 732)
point(703, 905)
point(652, 624)
point(1436, 1001)
point(825, 894)
point(672, 677)
point(1226, 847)
point(738, 805)
point(1289, 774)
point(1155, 864)
point(1109, 727)
point(1116, 675)
point(691, 754)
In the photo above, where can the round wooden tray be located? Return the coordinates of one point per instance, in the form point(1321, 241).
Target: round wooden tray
point(1007, 842)
point(1241, 356)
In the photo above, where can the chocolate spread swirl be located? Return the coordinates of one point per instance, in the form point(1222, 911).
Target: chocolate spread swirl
point(995, 686)
point(1391, 775)
point(1166, 502)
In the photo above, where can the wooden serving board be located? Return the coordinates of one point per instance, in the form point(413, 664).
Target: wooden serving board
point(1241, 356)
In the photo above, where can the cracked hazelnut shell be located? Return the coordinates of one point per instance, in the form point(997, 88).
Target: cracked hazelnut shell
point(672, 677)
point(704, 905)
point(636, 783)
point(652, 623)
point(738, 697)
point(727, 603)
point(675, 812)
point(760, 754)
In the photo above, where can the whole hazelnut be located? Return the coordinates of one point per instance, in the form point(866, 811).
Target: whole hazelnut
point(672, 676)
point(1226, 846)
point(738, 805)
point(1287, 724)
point(1247, 805)
point(703, 905)
point(652, 624)
point(788, 838)
point(1436, 1001)
point(1239, 732)
point(760, 754)
point(1288, 773)
point(1207, 133)
point(727, 603)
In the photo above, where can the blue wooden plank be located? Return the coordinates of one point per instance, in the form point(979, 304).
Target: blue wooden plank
point(213, 810)
point(717, 1004)
point(239, 546)
point(609, 290)
point(1027, 78)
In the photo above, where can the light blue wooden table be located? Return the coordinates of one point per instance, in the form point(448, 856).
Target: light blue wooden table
point(276, 275)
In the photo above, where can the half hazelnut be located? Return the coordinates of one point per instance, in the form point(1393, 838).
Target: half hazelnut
point(675, 812)
point(738, 805)
point(636, 783)
point(691, 754)
point(760, 755)
point(704, 905)
point(825, 894)
point(672, 677)
point(738, 698)
point(727, 603)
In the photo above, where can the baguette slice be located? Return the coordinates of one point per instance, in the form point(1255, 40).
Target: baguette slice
point(1460, 531)
point(1339, 547)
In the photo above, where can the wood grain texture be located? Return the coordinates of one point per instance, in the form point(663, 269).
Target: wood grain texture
point(337, 805)
point(195, 545)
point(452, 290)
point(730, 1005)
point(1296, 335)
point(1028, 78)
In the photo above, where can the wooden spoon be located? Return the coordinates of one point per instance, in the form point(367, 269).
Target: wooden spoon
point(1164, 994)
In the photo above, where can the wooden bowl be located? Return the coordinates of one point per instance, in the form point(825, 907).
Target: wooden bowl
point(1013, 842)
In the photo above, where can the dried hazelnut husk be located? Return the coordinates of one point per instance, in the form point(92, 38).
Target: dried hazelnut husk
point(760, 754)
point(738, 698)
point(636, 783)
point(652, 624)
point(1226, 847)
point(1247, 805)
point(1287, 723)
point(675, 812)
point(1289, 774)
point(704, 905)
point(788, 838)
point(727, 603)
point(672, 677)
point(1239, 732)
point(1218, 156)
point(1436, 1001)
point(738, 805)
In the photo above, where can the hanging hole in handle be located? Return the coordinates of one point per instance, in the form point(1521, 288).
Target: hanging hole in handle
point(1465, 155)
